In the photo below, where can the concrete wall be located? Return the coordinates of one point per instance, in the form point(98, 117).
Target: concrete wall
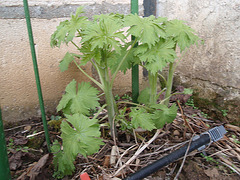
point(18, 93)
point(212, 69)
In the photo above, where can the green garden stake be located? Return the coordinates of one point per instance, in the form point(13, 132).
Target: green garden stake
point(4, 164)
point(35, 66)
point(135, 69)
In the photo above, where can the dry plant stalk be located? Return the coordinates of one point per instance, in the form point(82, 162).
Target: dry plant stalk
point(139, 151)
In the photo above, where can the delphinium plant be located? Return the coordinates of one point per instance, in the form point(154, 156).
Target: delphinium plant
point(103, 42)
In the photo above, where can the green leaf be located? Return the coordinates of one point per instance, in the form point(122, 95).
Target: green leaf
point(144, 96)
point(82, 136)
point(188, 91)
point(64, 63)
point(79, 135)
point(115, 59)
point(79, 100)
point(67, 29)
point(63, 164)
point(79, 11)
point(147, 29)
point(88, 54)
point(182, 34)
point(163, 114)
point(140, 118)
point(157, 57)
point(104, 33)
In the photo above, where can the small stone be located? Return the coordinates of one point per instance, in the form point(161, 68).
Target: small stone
point(188, 135)
point(199, 123)
point(27, 128)
point(176, 133)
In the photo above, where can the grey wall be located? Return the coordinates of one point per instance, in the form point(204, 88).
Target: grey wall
point(212, 69)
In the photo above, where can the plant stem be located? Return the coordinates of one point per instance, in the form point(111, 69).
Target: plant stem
point(158, 95)
point(169, 83)
point(107, 88)
point(121, 62)
point(75, 45)
point(135, 104)
point(97, 67)
point(99, 111)
point(111, 106)
point(153, 88)
point(164, 100)
point(96, 82)
point(163, 78)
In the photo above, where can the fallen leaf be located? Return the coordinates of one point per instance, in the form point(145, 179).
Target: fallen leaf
point(106, 162)
point(15, 161)
point(38, 172)
point(114, 154)
point(212, 173)
point(20, 140)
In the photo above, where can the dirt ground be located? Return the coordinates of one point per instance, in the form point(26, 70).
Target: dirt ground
point(29, 157)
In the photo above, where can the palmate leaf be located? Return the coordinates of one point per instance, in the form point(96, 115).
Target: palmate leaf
point(64, 63)
point(67, 29)
point(140, 118)
point(82, 136)
point(188, 91)
point(163, 114)
point(115, 59)
point(79, 100)
point(67, 59)
point(63, 163)
point(157, 57)
point(181, 33)
point(147, 29)
point(103, 33)
point(88, 54)
point(144, 96)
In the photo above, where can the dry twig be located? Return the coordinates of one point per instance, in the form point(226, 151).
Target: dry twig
point(180, 169)
point(184, 118)
point(139, 151)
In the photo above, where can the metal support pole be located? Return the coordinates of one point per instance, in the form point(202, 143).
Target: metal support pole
point(35, 66)
point(4, 164)
point(135, 68)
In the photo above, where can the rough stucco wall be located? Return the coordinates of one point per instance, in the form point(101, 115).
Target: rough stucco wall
point(18, 87)
point(213, 68)
point(18, 93)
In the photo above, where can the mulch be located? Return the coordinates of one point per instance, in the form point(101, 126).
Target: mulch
point(29, 158)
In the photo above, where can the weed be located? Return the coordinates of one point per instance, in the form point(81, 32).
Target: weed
point(209, 159)
point(127, 97)
point(117, 97)
point(11, 146)
point(235, 139)
point(224, 112)
point(190, 102)
point(204, 114)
